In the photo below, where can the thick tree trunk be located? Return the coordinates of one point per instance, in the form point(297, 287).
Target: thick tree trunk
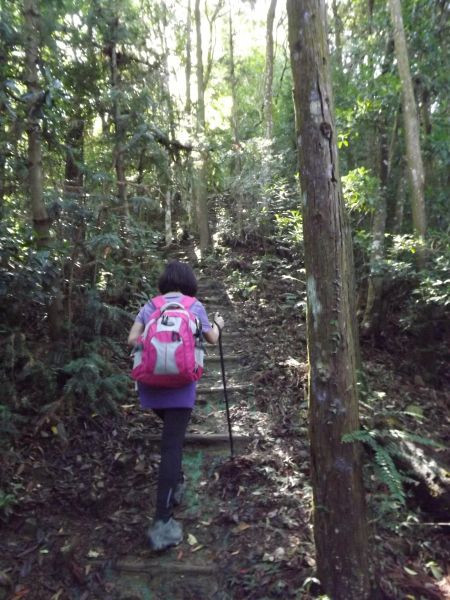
point(340, 527)
point(411, 124)
point(200, 187)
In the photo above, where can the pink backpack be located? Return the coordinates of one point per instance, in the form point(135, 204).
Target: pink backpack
point(169, 354)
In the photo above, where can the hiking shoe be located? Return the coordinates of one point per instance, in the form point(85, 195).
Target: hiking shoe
point(162, 534)
point(179, 493)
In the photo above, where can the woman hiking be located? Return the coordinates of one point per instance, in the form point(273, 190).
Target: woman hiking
point(173, 405)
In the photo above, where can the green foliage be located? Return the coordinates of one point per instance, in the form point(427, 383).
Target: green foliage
point(384, 465)
point(385, 445)
point(360, 189)
point(290, 227)
point(93, 382)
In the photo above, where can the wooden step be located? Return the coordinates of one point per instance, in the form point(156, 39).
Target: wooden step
point(214, 389)
point(213, 358)
point(154, 565)
point(206, 439)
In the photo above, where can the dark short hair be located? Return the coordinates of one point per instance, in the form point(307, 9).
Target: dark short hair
point(178, 277)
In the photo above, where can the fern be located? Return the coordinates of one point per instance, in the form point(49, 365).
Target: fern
point(385, 467)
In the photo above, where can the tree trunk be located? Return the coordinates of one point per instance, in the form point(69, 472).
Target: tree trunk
point(168, 218)
point(41, 222)
point(119, 133)
point(411, 124)
point(188, 68)
point(235, 130)
point(268, 75)
point(200, 187)
point(73, 178)
point(337, 35)
point(340, 527)
point(372, 315)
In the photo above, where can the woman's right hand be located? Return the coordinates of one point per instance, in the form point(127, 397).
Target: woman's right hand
point(218, 320)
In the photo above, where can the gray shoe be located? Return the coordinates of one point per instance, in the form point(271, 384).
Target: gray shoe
point(162, 534)
point(179, 493)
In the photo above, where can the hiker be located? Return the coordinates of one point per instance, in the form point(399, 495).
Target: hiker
point(173, 405)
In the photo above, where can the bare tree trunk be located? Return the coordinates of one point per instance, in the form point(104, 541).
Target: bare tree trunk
point(73, 177)
point(41, 221)
point(200, 187)
point(168, 218)
point(119, 151)
point(399, 203)
point(235, 130)
point(340, 527)
point(411, 124)
point(372, 314)
point(268, 75)
point(188, 68)
point(337, 34)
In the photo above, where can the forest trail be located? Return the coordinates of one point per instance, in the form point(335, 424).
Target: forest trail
point(192, 569)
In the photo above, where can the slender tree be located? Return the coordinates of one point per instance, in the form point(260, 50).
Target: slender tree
point(411, 124)
point(268, 75)
point(340, 527)
point(117, 117)
point(35, 100)
point(235, 128)
point(200, 189)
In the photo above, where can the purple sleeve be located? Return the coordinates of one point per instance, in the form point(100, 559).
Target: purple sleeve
point(199, 311)
point(145, 312)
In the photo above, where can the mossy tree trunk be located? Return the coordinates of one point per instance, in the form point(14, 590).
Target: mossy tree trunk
point(340, 527)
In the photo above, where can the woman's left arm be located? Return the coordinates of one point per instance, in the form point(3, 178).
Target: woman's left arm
point(136, 330)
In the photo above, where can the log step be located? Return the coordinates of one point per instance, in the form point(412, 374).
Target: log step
point(214, 389)
point(206, 439)
point(176, 567)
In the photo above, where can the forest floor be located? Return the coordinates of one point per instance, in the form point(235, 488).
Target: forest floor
point(86, 485)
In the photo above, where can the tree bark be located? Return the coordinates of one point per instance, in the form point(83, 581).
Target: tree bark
point(411, 125)
point(188, 68)
point(268, 75)
point(41, 222)
point(119, 133)
point(340, 528)
point(200, 175)
point(235, 130)
point(73, 177)
point(337, 34)
point(372, 315)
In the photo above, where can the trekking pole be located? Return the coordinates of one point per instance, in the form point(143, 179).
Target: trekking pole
point(222, 366)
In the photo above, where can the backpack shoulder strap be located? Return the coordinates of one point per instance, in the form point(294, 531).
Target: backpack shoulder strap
point(159, 301)
point(188, 301)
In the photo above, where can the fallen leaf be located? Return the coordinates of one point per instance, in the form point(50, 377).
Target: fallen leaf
point(241, 527)
point(197, 548)
point(192, 540)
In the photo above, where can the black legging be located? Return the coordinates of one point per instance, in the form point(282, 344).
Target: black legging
point(175, 422)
